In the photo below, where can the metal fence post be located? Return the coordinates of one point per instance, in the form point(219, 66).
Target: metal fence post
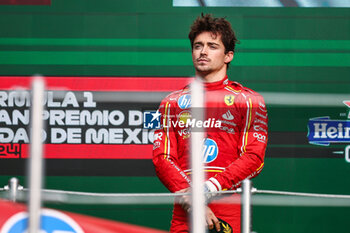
point(246, 206)
point(197, 136)
point(13, 187)
point(36, 154)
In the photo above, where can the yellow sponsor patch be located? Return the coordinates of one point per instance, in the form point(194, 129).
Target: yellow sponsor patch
point(184, 117)
point(224, 227)
point(229, 100)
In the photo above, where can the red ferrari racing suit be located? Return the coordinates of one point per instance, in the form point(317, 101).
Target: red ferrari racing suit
point(233, 150)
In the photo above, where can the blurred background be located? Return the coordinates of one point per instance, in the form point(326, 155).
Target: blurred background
point(120, 58)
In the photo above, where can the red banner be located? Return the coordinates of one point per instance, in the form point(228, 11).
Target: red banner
point(85, 117)
point(13, 218)
point(132, 84)
point(70, 151)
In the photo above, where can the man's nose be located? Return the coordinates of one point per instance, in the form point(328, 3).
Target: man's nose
point(204, 50)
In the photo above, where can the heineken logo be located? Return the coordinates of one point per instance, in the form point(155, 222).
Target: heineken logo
point(323, 131)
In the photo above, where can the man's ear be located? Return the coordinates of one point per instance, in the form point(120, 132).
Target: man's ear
point(229, 56)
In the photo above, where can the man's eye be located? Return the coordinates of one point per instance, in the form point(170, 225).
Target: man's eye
point(197, 46)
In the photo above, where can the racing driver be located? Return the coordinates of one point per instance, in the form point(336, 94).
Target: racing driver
point(233, 150)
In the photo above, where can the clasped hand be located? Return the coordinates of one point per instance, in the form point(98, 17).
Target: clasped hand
point(185, 202)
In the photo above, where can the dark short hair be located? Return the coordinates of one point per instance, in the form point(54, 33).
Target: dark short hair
point(217, 26)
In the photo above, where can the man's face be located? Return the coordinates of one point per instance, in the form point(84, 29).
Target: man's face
point(208, 53)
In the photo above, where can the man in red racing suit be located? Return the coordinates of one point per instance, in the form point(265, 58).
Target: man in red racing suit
point(233, 150)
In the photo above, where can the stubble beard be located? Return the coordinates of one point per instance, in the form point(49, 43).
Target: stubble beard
point(204, 70)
